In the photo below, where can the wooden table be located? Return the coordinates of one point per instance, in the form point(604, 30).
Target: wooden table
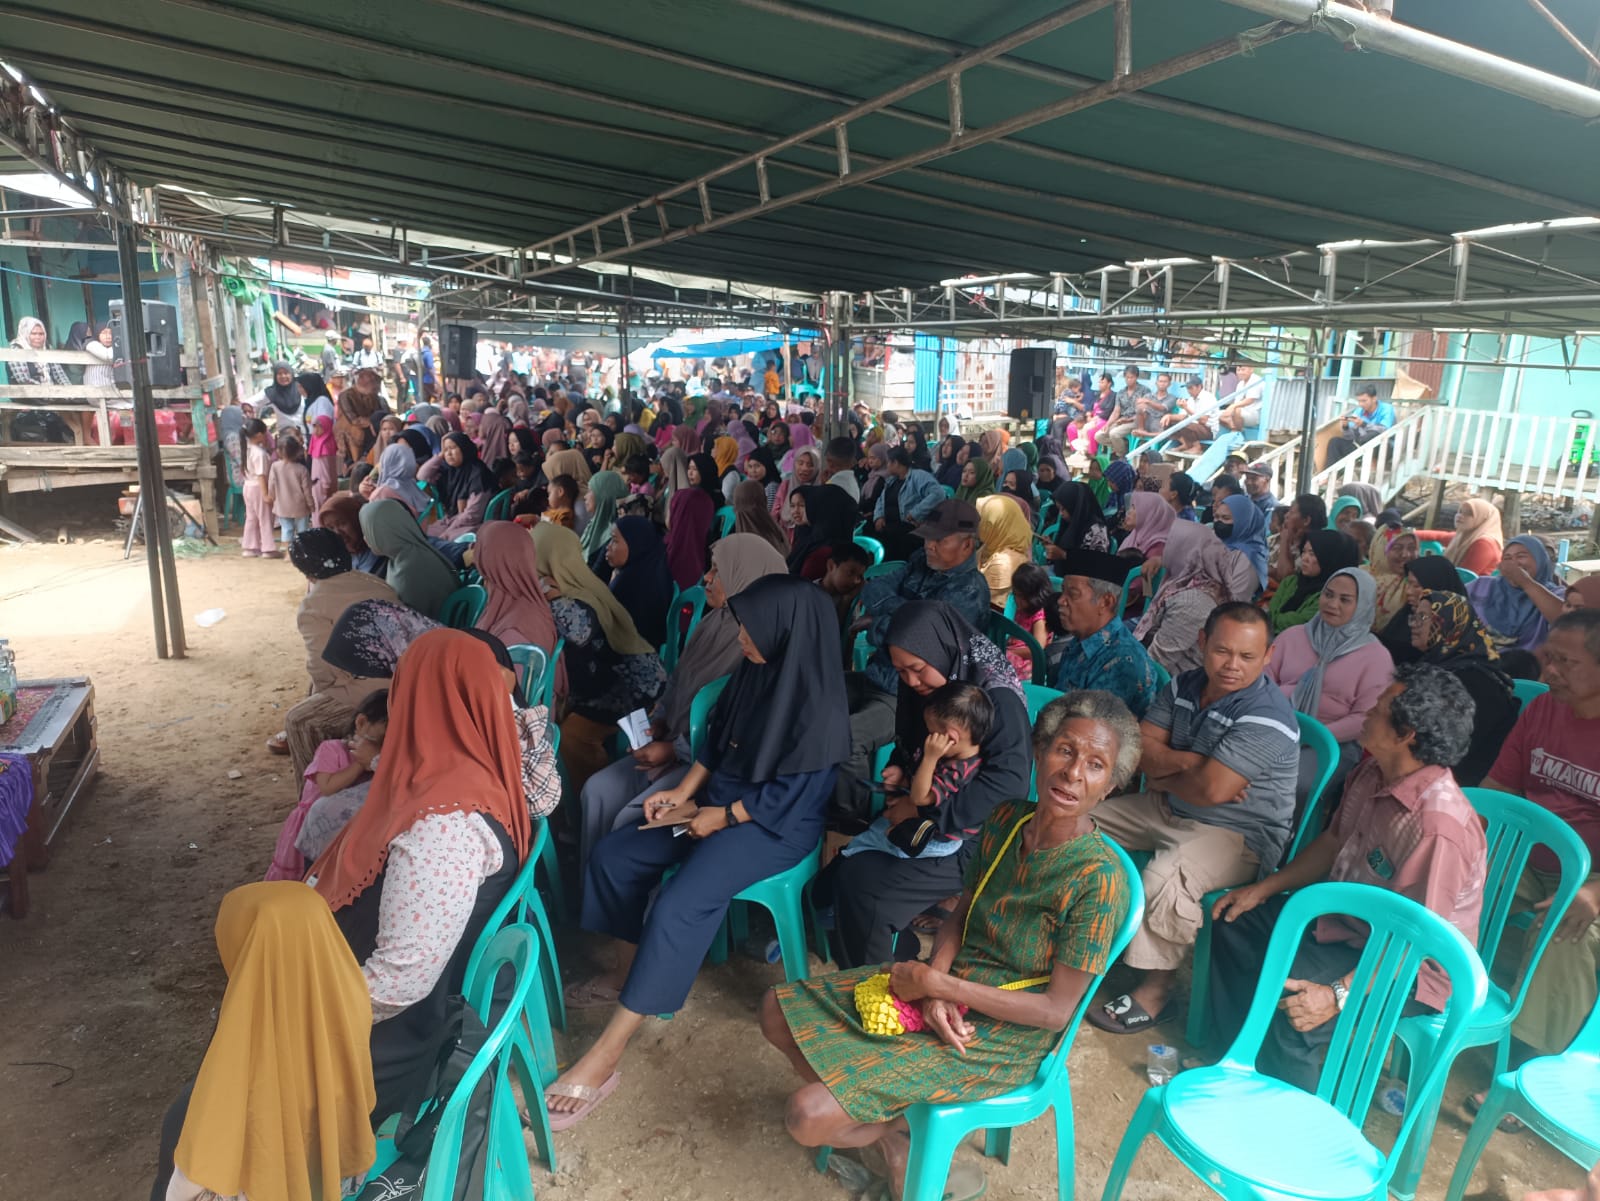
point(59, 744)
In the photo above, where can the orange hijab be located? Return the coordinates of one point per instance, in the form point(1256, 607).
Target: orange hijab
point(451, 748)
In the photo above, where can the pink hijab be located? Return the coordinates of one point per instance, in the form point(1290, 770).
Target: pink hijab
point(799, 436)
point(1153, 518)
point(686, 439)
point(518, 611)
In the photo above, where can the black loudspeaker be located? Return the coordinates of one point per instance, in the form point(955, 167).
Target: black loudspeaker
point(1033, 374)
point(460, 350)
point(161, 345)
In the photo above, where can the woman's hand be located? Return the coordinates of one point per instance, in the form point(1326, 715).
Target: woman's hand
point(666, 801)
point(1149, 568)
point(1516, 575)
point(894, 777)
point(655, 754)
point(708, 821)
point(915, 981)
point(945, 1019)
point(1054, 552)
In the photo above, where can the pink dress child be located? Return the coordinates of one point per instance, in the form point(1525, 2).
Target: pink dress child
point(1017, 652)
point(287, 862)
point(324, 452)
point(258, 537)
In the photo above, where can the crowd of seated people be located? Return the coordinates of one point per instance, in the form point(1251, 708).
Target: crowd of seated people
point(861, 603)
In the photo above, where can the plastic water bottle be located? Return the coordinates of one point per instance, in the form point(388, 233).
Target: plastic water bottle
point(1161, 1063)
point(8, 683)
point(1392, 1100)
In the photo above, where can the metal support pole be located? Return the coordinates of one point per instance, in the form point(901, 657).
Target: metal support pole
point(1308, 420)
point(622, 369)
point(152, 486)
point(1123, 39)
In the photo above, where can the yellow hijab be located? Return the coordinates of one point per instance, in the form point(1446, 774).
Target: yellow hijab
point(1002, 525)
point(561, 558)
point(726, 452)
point(285, 1092)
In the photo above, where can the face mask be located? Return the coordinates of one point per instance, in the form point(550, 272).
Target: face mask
point(1224, 532)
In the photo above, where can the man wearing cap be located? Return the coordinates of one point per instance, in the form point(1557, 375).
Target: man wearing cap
point(1220, 756)
point(1196, 402)
point(1258, 487)
point(1369, 420)
point(330, 353)
point(1102, 652)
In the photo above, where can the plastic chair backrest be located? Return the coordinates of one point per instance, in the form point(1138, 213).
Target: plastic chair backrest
point(1466, 576)
point(464, 606)
point(700, 712)
point(1513, 827)
point(1326, 746)
point(1001, 628)
point(534, 663)
point(468, 538)
point(889, 568)
point(687, 602)
point(1430, 548)
point(1037, 696)
point(1402, 934)
point(727, 517)
point(1163, 676)
point(872, 546)
point(499, 507)
point(1526, 690)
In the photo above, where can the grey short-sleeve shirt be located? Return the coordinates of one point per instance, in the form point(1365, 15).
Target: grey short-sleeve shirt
point(1254, 732)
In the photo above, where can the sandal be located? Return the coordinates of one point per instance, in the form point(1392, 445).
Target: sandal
point(1506, 1125)
point(591, 994)
point(591, 1098)
point(964, 1182)
point(278, 744)
point(1126, 1016)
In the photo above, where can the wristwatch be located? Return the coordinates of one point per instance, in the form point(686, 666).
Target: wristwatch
point(1341, 993)
point(733, 818)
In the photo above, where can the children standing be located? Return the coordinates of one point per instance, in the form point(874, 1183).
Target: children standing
point(257, 539)
point(339, 763)
point(324, 461)
point(289, 490)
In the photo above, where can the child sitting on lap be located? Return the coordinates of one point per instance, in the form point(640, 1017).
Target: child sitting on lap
point(338, 764)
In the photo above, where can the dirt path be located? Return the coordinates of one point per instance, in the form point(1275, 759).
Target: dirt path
point(108, 988)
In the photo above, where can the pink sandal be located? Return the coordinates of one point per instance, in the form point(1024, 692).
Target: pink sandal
point(591, 1098)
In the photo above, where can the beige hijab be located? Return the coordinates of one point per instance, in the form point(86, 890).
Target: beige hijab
point(1481, 523)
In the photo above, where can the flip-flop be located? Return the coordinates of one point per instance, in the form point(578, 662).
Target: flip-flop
point(1126, 1016)
point(278, 744)
point(964, 1182)
point(590, 994)
point(591, 1098)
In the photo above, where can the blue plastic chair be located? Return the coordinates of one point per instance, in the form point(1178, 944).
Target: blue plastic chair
point(1554, 1096)
point(534, 663)
point(1526, 690)
point(1198, 1028)
point(1001, 628)
point(937, 1130)
point(872, 546)
point(507, 1175)
point(782, 895)
point(889, 568)
point(687, 603)
point(464, 606)
point(727, 518)
point(1513, 827)
point(1245, 1134)
point(1037, 696)
point(1466, 576)
point(466, 539)
point(1430, 548)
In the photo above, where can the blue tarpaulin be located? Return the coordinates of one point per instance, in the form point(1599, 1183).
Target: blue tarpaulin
point(718, 346)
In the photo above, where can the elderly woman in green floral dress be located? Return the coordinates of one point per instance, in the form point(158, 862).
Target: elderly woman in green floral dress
point(1043, 899)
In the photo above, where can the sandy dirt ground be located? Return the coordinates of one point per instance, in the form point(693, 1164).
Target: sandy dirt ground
point(109, 988)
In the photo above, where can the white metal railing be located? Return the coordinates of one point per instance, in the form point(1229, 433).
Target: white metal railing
point(1388, 462)
point(874, 387)
point(972, 398)
point(1284, 463)
point(1545, 456)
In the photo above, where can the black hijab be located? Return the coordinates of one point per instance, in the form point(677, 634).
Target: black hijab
point(643, 585)
point(314, 385)
point(1335, 551)
point(942, 638)
point(831, 518)
point(1080, 513)
point(285, 398)
point(710, 477)
point(764, 456)
point(788, 715)
point(458, 484)
point(1436, 574)
point(418, 442)
point(949, 471)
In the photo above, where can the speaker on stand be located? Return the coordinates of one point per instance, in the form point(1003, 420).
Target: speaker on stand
point(1032, 380)
point(460, 347)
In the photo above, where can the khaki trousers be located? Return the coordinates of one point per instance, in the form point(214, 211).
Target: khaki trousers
point(1563, 990)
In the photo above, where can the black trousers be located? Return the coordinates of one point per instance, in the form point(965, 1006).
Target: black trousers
point(1238, 950)
point(875, 896)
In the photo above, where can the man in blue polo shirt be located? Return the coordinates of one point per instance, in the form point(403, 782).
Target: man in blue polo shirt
point(1102, 653)
point(1370, 420)
point(1220, 756)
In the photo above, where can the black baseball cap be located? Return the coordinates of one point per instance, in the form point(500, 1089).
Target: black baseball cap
point(949, 517)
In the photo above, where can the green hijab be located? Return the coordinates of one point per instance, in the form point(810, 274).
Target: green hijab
point(606, 488)
point(1100, 487)
point(1030, 451)
point(985, 477)
point(420, 576)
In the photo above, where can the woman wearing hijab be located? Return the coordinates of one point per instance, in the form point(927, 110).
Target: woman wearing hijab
point(707, 476)
point(1513, 604)
point(1201, 574)
point(800, 436)
point(977, 480)
point(690, 515)
point(606, 488)
point(1426, 573)
point(1149, 520)
point(1387, 563)
point(611, 668)
point(1299, 596)
point(414, 876)
point(281, 1105)
point(1478, 538)
point(876, 894)
point(420, 576)
point(752, 516)
point(397, 478)
point(1334, 668)
point(341, 513)
point(806, 471)
point(1005, 544)
point(283, 395)
point(992, 448)
point(492, 433)
point(640, 578)
point(517, 613)
point(826, 517)
point(566, 461)
point(877, 464)
point(1445, 633)
point(755, 801)
point(1122, 481)
point(1082, 525)
point(1370, 498)
point(1242, 527)
point(464, 485)
point(948, 470)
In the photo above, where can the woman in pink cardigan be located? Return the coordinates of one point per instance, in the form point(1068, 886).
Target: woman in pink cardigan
point(1334, 668)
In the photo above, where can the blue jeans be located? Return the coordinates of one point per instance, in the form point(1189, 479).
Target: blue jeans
point(288, 527)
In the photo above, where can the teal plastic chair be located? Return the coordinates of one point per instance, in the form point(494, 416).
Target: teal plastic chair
point(1526, 690)
point(1127, 590)
point(688, 605)
point(1001, 628)
point(534, 663)
point(466, 539)
point(1246, 1134)
point(499, 506)
point(937, 1130)
point(872, 546)
point(727, 518)
point(233, 501)
point(1513, 827)
point(1037, 696)
point(507, 1175)
point(1430, 548)
point(1163, 676)
point(1466, 576)
point(464, 606)
point(1554, 1096)
point(1312, 731)
point(889, 568)
point(784, 895)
